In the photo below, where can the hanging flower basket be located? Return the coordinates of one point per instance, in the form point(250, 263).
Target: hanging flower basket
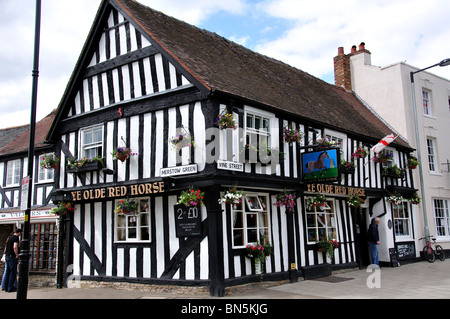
point(182, 140)
point(258, 253)
point(122, 153)
point(126, 207)
point(361, 152)
point(224, 121)
point(232, 196)
point(62, 208)
point(413, 163)
point(286, 199)
point(292, 135)
point(355, 201)
point(395, 198)
point(50, 161)
point(316, 201)
point(191, 198)
point(327, 247)
point(415, 199)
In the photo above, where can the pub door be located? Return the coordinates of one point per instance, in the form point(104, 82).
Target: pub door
point(362, 249)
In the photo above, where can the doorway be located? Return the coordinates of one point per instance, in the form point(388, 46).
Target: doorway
point(362, 249)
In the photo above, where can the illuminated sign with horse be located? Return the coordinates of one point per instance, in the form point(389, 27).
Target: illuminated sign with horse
point(321, 166)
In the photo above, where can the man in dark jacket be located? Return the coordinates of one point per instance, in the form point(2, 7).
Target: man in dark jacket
point(12, 258)
point(374, 240)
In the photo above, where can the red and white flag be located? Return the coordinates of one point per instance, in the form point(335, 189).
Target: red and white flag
point(383, 143)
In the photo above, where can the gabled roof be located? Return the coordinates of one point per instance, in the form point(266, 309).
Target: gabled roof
point(227, 67)
point(224, 67)
point(21, 142)
point(7, 135)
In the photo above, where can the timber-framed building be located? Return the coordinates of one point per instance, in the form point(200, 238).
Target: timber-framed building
point(144, 78)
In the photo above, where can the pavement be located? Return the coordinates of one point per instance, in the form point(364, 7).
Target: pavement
point(421, 280)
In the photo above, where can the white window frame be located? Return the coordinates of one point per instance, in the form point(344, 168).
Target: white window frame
point(442, 218)
point(340, 139)
point(84, 147)
point(330, 223)
point(244, 211)
point(137, 218)
point(48, 174)
point(402, 207)
point(265, 117)
point(431, 155)
point(426, 102)
point(391, 162)
point(13, 173)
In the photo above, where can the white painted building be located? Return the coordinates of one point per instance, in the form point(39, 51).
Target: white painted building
point(387, 90)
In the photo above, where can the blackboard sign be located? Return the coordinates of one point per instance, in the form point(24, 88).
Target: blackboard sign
point(406, 250)
point(188, 222)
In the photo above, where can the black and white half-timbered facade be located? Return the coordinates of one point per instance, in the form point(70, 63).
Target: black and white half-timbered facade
point(13, 169)
point(156, 85)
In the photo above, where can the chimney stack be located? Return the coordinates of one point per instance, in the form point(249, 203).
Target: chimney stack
point(342, 72)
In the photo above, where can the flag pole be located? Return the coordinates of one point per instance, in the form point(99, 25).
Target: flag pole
point(24, 256)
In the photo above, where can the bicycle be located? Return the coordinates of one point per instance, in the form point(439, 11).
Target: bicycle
point(429, 253)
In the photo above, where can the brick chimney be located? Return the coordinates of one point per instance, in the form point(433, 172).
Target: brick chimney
point(342, 72)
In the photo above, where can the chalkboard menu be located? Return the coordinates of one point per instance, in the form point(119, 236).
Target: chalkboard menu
point(188, 221)
point(406, 250)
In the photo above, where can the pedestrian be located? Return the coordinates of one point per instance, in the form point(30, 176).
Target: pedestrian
point(373, 238)
point(12, 258)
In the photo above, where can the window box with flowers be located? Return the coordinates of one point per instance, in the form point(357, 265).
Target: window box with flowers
point(122, 153)
point(393, 172)
point(325, 142)
point(291, 135)
point(263, 153)
point(63, 208)
point(224, 121)
point(50, 161)
point(382, 157)
point(347, 167)
point(85, 164)
point(191, 198)
point(286, 199)
point(232, 196)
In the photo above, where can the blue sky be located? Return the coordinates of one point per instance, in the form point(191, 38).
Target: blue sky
point(302, 33)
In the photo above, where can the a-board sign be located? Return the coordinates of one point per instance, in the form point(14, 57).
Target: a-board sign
point(393, 254)
point(188, 221)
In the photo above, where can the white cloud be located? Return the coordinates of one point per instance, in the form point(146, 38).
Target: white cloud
point(196, 11)
point(394, 31)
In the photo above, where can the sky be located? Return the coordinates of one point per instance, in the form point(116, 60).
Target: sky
point(303, 33)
